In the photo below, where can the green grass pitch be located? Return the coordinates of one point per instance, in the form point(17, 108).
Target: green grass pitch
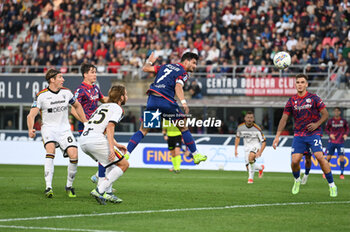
point(158, 200)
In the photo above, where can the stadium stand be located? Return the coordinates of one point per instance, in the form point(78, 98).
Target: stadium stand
point(65, 33)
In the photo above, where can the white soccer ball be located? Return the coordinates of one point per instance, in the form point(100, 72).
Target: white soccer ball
point(282, 60)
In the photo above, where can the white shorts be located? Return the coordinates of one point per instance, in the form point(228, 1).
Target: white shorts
point(98, 150)
point(62, 139)
point(248, 149)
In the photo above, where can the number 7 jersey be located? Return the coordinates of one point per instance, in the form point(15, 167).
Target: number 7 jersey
point(105, 113)
point(166, 78)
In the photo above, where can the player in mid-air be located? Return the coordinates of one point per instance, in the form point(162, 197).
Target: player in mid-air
point(97, 140)
point(254, 144)
point(53, 103)
point(169, 81)
point(306, 109)
point(338, 129)
point(172, 135)
point(89, 94)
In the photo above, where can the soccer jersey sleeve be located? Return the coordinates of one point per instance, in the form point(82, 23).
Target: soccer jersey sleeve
point(319, 103)
point(79, 95)
point(37, 102)
point(117, 115)
point(288, 109)
point(100, 95)
point(157, 68)
point(182, 78)
point(238, 134)
point(71, 97)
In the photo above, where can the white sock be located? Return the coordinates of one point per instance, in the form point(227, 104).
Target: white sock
point(251, 170)
point(49, 169)
point(112, 176)
point(71, 172)
point(109, 188)
point(331, 184)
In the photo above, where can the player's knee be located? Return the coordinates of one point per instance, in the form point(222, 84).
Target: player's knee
point(123, 165)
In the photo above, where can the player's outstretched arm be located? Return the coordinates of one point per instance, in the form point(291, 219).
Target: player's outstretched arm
point(148, 66)
point(78, 112)
point(110, 137)
point(30, 121)
point(180, 94)
point(282, 124)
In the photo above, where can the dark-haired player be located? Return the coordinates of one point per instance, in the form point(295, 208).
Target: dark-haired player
point(169, 81)
point(89, 94)
point(306, 109)
point(338, 129)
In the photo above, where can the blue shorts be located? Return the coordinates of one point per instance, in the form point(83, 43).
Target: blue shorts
point(168, 109)
point(332, 146)
point(304, 143)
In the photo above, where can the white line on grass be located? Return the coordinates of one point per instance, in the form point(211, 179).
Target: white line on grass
point(52, 228)
point(174, 210)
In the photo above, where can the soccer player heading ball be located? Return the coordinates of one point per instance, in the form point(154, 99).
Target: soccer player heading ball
point(169, 81)
point(306, 109)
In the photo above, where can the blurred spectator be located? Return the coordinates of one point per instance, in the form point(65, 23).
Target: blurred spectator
point(195, 90)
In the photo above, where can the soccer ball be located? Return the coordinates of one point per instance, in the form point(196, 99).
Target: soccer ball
point(282, 60)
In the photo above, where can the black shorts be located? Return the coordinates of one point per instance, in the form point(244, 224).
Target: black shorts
point(174, 141)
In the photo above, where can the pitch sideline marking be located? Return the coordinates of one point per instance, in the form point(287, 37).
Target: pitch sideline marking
point(52, 228)
point(173, 210)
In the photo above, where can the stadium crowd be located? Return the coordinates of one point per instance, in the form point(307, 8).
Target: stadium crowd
point(114, 34)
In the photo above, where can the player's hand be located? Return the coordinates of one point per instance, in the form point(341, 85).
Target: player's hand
point(122, 148)
point(111, 156)
point(345, 137)
point(187, 110)
point(332, 136)
point(236, 153)
point(275, 142)
point(165, 137)
point(152, 58)
point(312, 126)
point(31, 133)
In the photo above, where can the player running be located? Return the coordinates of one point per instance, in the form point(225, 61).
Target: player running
point(169, 81)
point(53, 103)
point(89, 94)
point(97, 141)
point(254, 144)
point(306, 109)
point(338, 129)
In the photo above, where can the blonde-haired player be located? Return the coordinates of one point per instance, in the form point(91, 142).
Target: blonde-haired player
point(254, 144)
point(53, 103)
point(97, 141)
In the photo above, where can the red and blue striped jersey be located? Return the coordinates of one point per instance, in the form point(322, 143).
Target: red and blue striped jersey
point(166, 78)
point(88, 96)
point(338, 127)
point(305, 110)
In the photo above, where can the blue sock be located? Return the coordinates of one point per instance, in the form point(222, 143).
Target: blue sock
point(329, 177)
point(101, 170)
point(307, 171)
point(134, 141)
point(342, 165)
point(188, 139)
point(296, 174)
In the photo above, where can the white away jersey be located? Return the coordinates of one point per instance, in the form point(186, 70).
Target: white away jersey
point(54, 108)
point(105, 113)
point(251, 135)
